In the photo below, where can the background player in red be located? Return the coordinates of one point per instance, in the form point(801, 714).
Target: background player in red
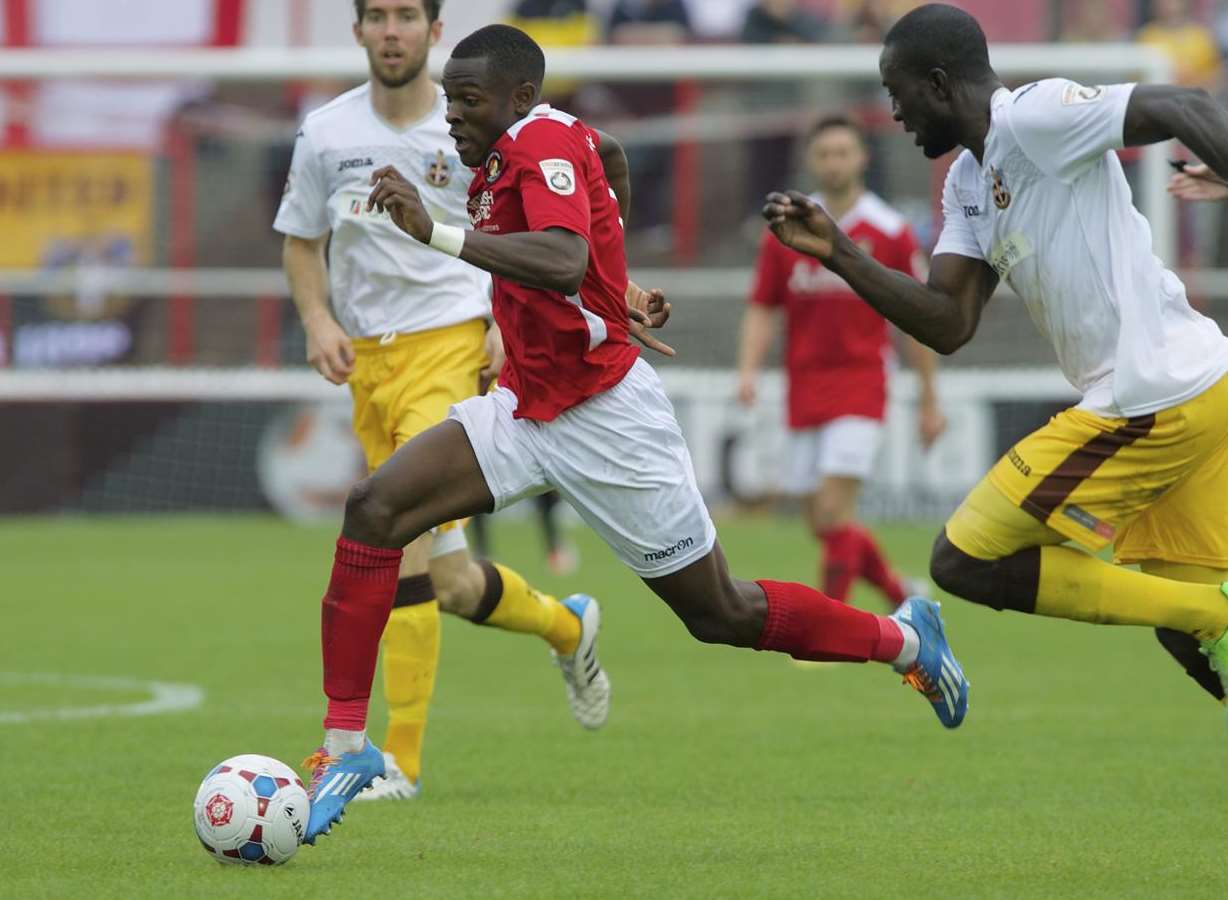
point(576, 410)
point(837, 355)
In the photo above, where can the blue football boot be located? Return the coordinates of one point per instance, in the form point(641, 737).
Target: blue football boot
point(936, 673)
point(335, 781)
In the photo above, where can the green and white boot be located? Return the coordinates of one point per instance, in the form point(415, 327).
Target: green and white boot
point(1216, 651)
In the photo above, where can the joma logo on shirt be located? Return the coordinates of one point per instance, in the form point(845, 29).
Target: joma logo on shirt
point(356, 163)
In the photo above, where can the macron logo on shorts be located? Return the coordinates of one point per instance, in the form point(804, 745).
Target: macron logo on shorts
point(669, 551)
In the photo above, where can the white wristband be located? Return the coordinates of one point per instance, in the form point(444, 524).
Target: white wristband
point(448, 239)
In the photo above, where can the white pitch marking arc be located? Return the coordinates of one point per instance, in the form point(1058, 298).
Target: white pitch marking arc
point(165, 697)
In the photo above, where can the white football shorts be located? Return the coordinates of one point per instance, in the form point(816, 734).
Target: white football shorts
point(846, 447)
point(618, 458)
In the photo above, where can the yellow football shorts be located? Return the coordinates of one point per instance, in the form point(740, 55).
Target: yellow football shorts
point(1156, 486)
point(403, 386)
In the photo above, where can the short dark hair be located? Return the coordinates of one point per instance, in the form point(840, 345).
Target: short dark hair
point(511, 52)
point(432, 8)
point(837, 120)
point(940, 36)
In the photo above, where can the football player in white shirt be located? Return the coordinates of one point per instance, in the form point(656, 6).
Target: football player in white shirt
point(1038, 199)
point(407, 329)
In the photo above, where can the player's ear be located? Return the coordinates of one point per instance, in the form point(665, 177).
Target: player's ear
point(939, 82)
point(524, 97)
point(436, 31)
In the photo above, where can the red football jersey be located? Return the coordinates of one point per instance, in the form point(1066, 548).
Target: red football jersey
point(837, 348)
point(544, 172)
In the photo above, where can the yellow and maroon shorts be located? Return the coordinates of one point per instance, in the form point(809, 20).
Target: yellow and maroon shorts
point(1155, 486)
point(403, 386)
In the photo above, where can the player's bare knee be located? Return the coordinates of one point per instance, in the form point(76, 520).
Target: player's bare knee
point(368, 517)
point(825, 517)
point(459, 590)
point(955, 571)
point(1007, 583)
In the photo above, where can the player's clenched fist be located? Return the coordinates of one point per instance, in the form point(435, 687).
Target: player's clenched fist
point(800, 223)
point(647, 309)
point(392, 194)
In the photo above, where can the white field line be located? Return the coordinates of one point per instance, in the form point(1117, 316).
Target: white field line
point(165, 697)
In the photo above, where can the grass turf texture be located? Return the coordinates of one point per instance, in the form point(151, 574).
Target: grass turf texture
point(1088, 767)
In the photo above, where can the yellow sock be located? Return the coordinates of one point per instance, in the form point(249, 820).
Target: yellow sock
point(522, 608)
point(1184, 572)
point(411, 656)
point(1074, 585)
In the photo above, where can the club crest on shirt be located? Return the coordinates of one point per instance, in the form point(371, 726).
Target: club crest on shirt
point(1074, 94)
point(439, 173)
point(493, 167)
point(1001, 193)
point(560, 176)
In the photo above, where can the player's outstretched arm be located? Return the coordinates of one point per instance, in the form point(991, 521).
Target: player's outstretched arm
point(617, 172)
point(645, 309)
point(942, 314)
point(1161, 112)
point(554, 259)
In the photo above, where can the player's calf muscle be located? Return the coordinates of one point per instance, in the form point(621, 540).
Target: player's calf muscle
point(1006, 583)
point(716, 610)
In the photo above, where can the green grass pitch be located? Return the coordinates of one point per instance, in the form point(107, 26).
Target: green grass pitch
point(1089, 765)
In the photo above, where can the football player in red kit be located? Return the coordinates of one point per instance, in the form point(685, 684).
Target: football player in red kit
point(576, 410)
point(837, 355)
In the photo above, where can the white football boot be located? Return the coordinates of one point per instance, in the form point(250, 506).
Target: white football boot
point(588, 688)
point(392, 786)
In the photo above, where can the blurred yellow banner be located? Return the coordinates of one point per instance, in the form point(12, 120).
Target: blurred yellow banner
point(58, 208)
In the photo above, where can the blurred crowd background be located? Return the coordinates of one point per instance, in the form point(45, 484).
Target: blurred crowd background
point(188, 174)
point(101, 175)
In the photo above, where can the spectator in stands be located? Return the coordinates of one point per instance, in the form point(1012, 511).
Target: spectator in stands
point(781, 22)
point(560, 23)
point(556, 23)
point(660, 23)
point(776, 22)
point(867, 21)
point(1091, 22)
point(1189, 44)
point(649, 22)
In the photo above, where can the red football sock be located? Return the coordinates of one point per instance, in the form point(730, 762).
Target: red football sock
point(842, 553)
point(355, 611)
point(874, 567)
point(807, 625)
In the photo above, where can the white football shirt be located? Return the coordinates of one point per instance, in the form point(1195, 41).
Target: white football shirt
point(1051, 212)
point(382, 279)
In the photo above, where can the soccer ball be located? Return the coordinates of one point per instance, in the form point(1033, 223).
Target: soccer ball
point(251, 810)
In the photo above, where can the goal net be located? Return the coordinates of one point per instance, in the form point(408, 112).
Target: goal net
point(150, 358)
